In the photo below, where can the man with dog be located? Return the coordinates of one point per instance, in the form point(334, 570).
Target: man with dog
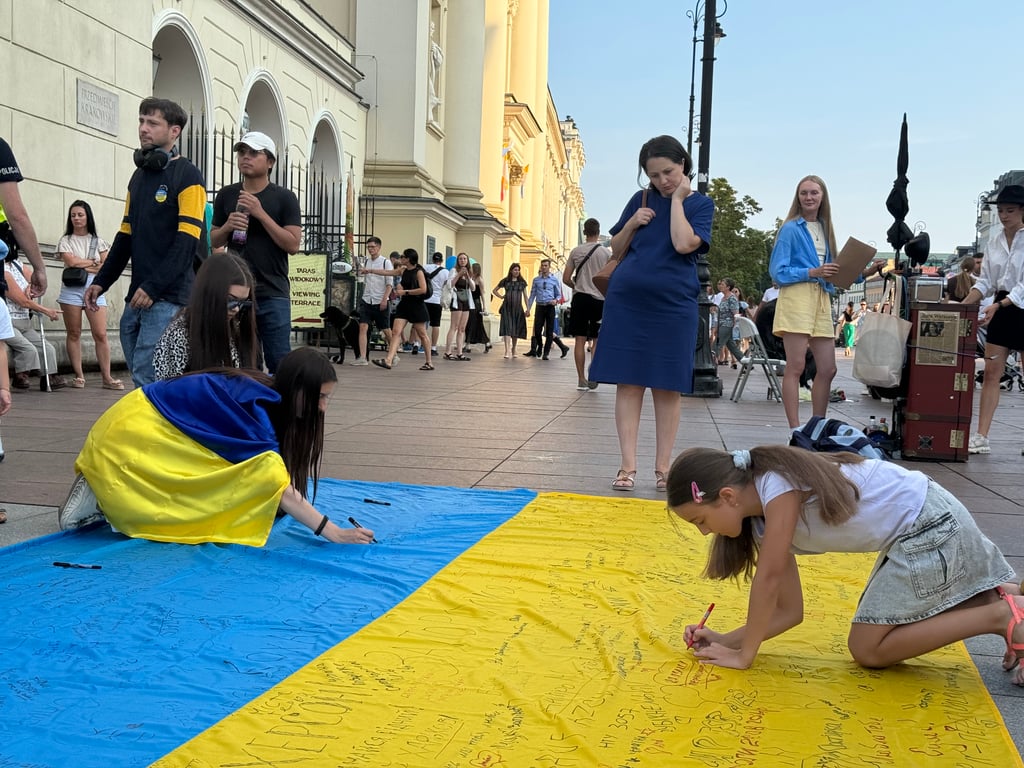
point(373, 306)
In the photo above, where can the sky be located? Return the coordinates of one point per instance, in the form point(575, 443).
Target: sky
point(804, 88)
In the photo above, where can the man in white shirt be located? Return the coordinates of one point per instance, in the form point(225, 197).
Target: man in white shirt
point(438, 277)
point(373, 307)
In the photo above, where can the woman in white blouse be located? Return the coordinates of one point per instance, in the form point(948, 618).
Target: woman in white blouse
point(81, 247)
point(1002, 278)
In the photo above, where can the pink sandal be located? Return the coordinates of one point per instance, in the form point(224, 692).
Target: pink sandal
point(1016, 618)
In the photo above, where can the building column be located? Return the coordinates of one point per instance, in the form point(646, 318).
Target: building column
point(539, 103)
point(492, 118)
point(464, 90)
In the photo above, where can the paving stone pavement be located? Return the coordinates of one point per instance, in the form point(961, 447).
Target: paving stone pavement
point(520, 423)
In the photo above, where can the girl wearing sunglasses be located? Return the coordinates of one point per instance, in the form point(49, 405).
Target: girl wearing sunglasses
point(217, 328)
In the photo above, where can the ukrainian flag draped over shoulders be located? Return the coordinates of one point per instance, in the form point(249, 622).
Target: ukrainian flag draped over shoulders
point(189, 460)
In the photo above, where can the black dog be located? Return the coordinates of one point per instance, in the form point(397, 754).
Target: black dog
point(764, 320)
point(346, 327)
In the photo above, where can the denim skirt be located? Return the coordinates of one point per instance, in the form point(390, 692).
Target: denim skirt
point(941, 561)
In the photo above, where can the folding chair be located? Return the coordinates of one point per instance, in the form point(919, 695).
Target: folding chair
point(756, 356)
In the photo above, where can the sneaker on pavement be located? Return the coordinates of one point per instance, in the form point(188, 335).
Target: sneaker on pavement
point(978, 444)
point(416, 349)
point(359, 361)
point(407, 347)
point(591, 385)
point(582, 386)
point(79, 508)
point(433, 350)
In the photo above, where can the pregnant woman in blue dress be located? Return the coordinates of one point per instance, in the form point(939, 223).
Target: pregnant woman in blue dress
point(649, 331)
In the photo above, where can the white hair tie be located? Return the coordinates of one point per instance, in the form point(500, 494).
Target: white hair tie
point(741, 459)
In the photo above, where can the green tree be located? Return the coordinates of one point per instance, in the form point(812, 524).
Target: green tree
point(737, 250)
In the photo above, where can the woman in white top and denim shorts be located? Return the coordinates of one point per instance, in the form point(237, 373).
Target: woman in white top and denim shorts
point(81, 247)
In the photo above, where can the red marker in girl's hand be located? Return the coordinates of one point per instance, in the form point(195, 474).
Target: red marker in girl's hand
point(703, 619)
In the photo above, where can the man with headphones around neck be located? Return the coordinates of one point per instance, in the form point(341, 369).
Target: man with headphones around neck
point(163, 219)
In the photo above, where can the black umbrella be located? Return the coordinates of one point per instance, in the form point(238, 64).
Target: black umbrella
point(899, 233)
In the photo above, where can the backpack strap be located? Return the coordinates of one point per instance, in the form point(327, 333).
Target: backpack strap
point(585, 260)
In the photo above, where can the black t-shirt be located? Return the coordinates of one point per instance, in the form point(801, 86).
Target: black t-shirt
point(411, 282)
point(268, 262)
point(9, 170)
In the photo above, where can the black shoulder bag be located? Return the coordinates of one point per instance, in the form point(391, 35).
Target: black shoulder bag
point(76, 277)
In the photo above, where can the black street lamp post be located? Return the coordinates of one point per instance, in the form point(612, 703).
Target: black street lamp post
point(705, 369)
point(717, 35)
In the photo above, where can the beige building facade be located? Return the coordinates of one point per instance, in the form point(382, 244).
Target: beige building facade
point(440, 108)
point(465, 150)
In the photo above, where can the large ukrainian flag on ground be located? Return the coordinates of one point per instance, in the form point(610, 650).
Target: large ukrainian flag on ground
point(486, 629)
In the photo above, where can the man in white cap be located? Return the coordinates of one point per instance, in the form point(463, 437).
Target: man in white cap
point(261, 221)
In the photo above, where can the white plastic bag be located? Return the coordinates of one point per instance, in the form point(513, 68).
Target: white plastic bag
point(881, 349)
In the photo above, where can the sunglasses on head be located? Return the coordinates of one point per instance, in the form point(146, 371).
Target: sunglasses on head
point(239, 304)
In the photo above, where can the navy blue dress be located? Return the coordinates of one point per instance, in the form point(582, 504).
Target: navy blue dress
point(649, 330)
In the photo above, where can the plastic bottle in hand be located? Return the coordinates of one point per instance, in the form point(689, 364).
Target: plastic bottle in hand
point(239, 236)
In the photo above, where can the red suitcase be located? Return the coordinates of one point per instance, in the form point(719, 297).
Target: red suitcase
point(936, 416)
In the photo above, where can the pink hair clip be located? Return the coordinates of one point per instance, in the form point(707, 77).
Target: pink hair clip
point(698, 494)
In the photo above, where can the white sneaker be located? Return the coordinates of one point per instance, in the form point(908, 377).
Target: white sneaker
point(582, 387)
point(359, 361)
point(978, 444)
point(79, 508)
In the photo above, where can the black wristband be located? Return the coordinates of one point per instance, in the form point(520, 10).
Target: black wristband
point(320, 528)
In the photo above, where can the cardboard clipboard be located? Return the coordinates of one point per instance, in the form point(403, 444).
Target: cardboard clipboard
point(851, 260)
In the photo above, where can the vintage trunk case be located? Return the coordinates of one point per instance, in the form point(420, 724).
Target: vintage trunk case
point(935, 418)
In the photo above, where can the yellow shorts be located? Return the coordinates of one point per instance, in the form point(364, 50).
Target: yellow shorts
point(804, 308)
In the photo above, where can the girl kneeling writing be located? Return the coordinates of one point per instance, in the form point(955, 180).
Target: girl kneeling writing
point(937, 579)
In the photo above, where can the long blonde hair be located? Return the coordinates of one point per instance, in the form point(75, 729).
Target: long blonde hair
point(824, 211)
point(712, 470)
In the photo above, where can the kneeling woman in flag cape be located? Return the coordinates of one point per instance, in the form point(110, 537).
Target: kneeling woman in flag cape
point(211, 457)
